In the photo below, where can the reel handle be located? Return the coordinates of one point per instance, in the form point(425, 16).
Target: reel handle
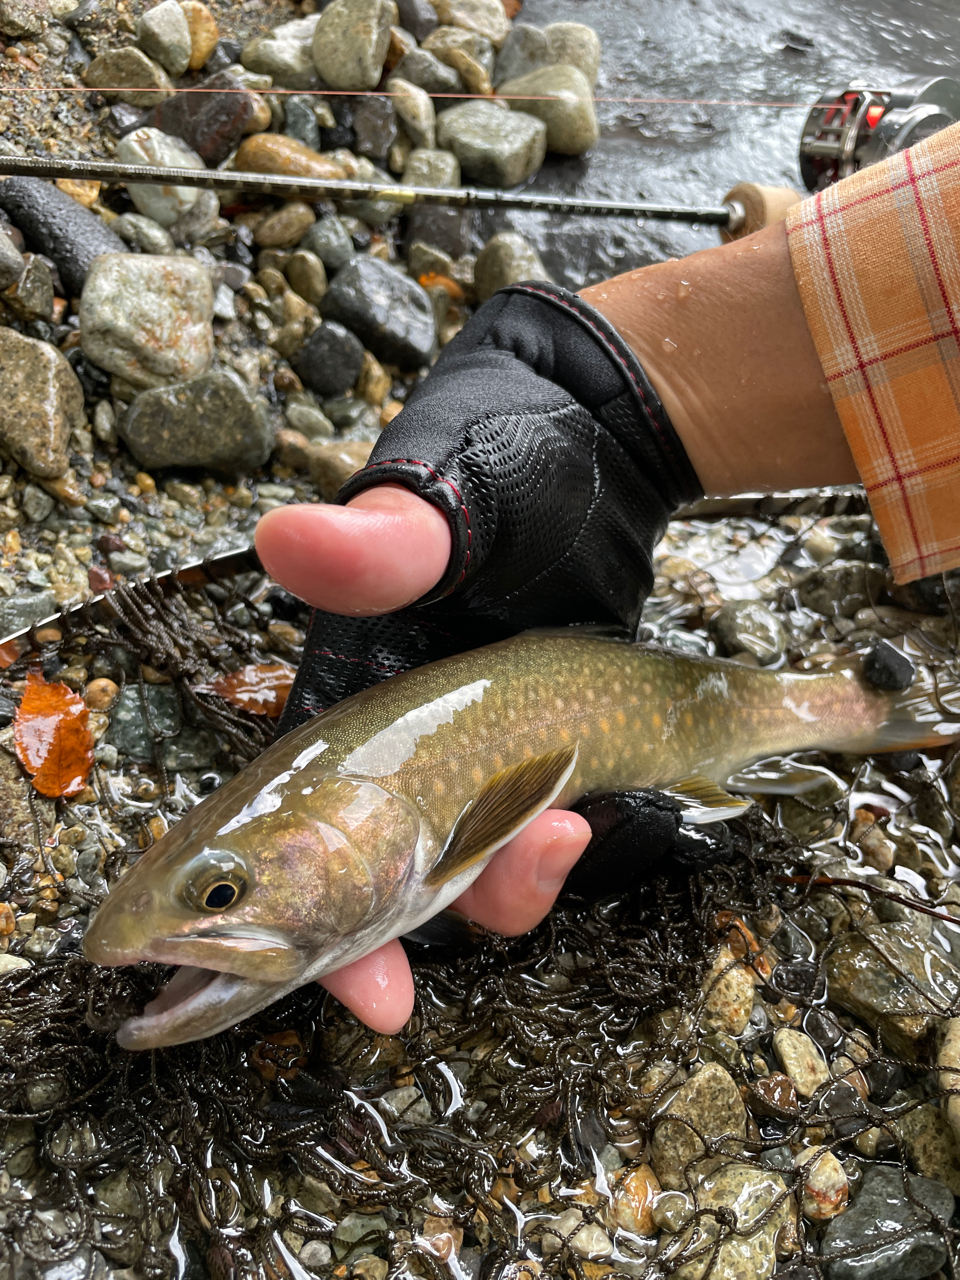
point(754, 207)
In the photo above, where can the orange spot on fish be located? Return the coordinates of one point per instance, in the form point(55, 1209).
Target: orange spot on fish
point(656, 721)
point(620, 718)
point(605, 726)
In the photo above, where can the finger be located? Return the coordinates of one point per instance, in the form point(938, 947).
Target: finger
point(383, 550)
point(519, 887)
point(378, 988)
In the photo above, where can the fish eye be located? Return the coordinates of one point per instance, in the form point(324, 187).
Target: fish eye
point(220, 896)
point(216, 884)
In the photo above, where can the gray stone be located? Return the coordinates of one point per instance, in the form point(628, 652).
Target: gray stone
point(104, 507)
point(163, 34)
point(418, 17)
point(130, 729)
point(300, 120)
point(351, 42)
point(11, 262)
point(128, 562)
point(575, 44)
point(444, 39)
point(330, 361)
point(42, 404)
point(36, 503)
point(388, 312)
point(147, 319)
point(495, 147)
point(486, 17)
point(147, 235)
point(31, 297)
point(505, 259)
point(201, 224)
point(407, 1105)
point(525, 49)
point(128, 74)
point(307, 275)
point(314, 1254)
point(24, 608)
point(747, 626)
point(59, 227)
point(562, 97)
point(755, 1200)
point(880, 1210)
point(328, 239)
point(423, 258)
point(212, 422)
point(421, 67)
point(450, 230)
point(285, 53)
point(20, 18)
point(708, 1103)
point(842, 588)
point(415, 109)
point(373, 212)
point(426, 168)
point(164, 204)
point(305, 415)
point(375, 124)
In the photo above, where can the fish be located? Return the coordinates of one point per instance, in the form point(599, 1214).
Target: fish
point(370, 819)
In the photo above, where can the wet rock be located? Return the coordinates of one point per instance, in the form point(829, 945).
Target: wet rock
point(422, 68)
point(418, 17)
point(274, 153)
point(633, 1201)
point(825, 1186)
point(842, 588)
point(285, 53)
point(387, 311)
point(20, 18)
point(747, 1195)
point(728, 990)
point(300, 120)
point(407, 1104)
point(19, 816)
point(375, 124)
point(328, 239)
point(485, 17)
point(562, 98)
point(886, 976)
point(212, 422)
point(494, 147)
point(147, 235)
point(449, 230)
point(774, 1095)
point(331, 463)
point(505, 259)
point(140, 81)
point(307, 276)
point(163, 34)
point(415, 110)
point(708, 1103)
point(887, 668)
point(129, 732)
point(201, 224)
point(11, 262)
point(576, 45)
point(331, 359)
point(314, 1254)
point(801, 1060)
point(58, 227)
point(929, 1141)
point(525, 49)
point(147, 319)
point(43, 404)
point(585, 1238)
point(31, 297)
point(881, 1209)
point(446, 39)
point(213, 122)
point(164, 204)
point(35, 504)
point(305, 416)
point(203, 32)
point(475, 76)
point(374, 212)
point(286, 227)
point(351, 41)
point(431, 169)
point(749, 626)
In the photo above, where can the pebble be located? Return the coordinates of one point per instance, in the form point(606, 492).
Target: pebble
point(929, 1140)
point(426, 168)
point(99, 694)
point(274, 153)
point(189, 748)
point(314, 1254)
point(307, 276)
point(10, 964)
point(212, 122)
point(495, 147)
point(57, 226)
point(407, 1105)
point(801, 1060)
point(948, 1059)
point(43, 404)
point(286, 227)
point(328, 239)
point(35, 504)
point(375, 125)
point(748, 626)
point(285, 54)
point(774, 1095)
point(444, 39)
point(485, 17)
point(901, 1005)
point(747, 1196)
point(140, 81)
point(20, 18)
point(203, 32)
point(305, 416)
point(525, 49)
point(633, 1201)
point(562, 98)
point(24, 608)
point(31, 297)
point(351, 42)
point(475, 76)
point(415, 109)
point(147, 235)
point(388, 312)
point(710, 1102)
point(11, 262)
point(211, 422)
point(419, 17)
point(164, 35)
point(728, 995)
point(164, 204)
point(881, 1209)
point(201, 223)
point(505, 259)
point(373, 212)
point(422, 68)
point(575, 44)
point(450, 230)
point(147, 319)
point(586, 1239)
point(330, 360)
point(842, 588)
point(300, 120)
point(331, 464)
point(825, 1185)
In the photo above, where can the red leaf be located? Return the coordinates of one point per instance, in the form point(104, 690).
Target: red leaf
point(51, 737)
point(261, 687)
point(9, 653)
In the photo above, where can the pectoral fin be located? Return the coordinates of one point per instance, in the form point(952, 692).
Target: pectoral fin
point(702, 800)
point(505, 804)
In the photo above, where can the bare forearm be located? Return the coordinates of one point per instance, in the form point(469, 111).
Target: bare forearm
point(723, 338)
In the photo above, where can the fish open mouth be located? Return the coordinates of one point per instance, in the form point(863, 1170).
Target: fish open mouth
point(193, 1004)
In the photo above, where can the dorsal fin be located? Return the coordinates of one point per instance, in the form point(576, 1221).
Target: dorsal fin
point(506, 803)
point(703, 800)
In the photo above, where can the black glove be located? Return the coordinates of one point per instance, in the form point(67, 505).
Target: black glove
point(539, 436)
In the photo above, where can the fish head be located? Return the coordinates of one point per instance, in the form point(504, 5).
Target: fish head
point(245, 904)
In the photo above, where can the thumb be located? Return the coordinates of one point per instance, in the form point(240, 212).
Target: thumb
point(383, 550)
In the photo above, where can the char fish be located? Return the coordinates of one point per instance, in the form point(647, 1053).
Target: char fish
point(368, 820)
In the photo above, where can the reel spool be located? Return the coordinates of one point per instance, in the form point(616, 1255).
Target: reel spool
point(851, 128)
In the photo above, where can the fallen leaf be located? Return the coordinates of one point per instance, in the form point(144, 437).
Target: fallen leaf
point(261, 687)
point(431, 278)
point(9, 653)
point(51, 737)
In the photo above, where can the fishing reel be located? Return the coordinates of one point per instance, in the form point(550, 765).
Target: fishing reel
point(851, 128)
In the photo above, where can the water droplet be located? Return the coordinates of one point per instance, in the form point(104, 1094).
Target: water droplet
point(696, 351)
point(683, 290)
point(668, 345)
point(661, 296)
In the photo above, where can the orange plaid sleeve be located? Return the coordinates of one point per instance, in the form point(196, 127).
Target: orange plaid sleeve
point(877, 262)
